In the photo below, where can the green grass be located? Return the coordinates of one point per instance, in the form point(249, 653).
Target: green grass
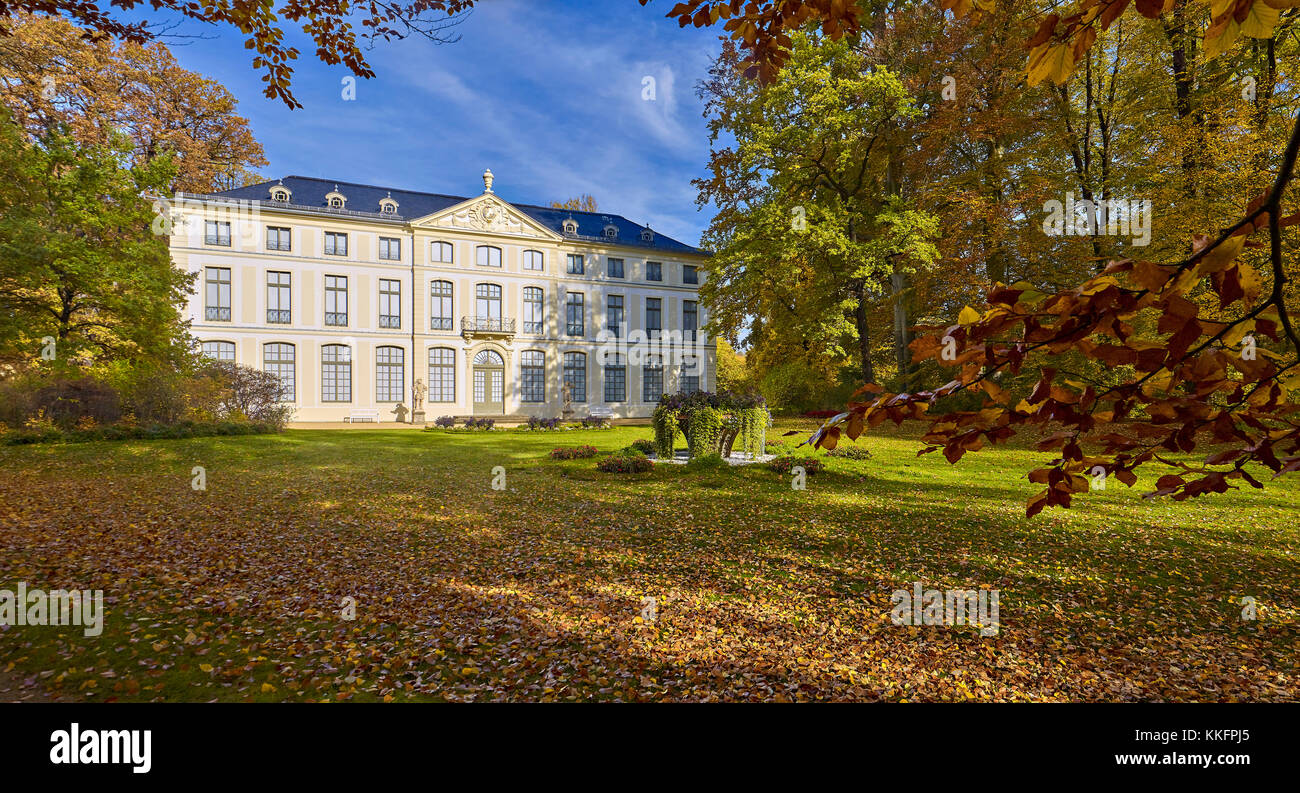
point(536, 591)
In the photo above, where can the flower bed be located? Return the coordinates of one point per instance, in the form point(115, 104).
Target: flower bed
point(573, 453)
point(630, 463)
point(783, 465)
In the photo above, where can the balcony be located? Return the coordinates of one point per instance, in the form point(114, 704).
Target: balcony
point(487, 328)
point(276, 316)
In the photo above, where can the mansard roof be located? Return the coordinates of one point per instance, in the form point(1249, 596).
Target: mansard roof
point(309, 193)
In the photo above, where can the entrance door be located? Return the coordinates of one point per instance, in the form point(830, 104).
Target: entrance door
point(489, 384)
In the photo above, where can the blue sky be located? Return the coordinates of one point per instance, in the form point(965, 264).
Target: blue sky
point(548, 94)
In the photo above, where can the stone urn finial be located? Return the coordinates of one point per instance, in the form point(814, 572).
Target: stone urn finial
point(487, 180)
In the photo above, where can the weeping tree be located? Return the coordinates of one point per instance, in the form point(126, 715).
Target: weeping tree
point(809, 230)
point(711, 423)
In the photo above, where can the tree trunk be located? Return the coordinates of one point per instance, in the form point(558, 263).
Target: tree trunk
point(864, 333)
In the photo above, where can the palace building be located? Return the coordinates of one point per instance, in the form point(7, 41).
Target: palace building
point(351, 293)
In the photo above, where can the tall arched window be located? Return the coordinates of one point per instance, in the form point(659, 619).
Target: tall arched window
point(219, 350)
point(532, 309)
point(575, 375)
point(442, 375)
point(278, 359)
point(390, 374)
point(489, 256)
point(440, 305)
point(336, 373)
point(532, 376)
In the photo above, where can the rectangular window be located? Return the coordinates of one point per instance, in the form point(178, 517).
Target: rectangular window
point(690, 319)
point(575, 315)
point(614, 314)
point(691, 371)
point(654, 271)
point(576, 264)
point(442, 375)
point(534, 260)
point(389, 374)
point(219, 350)
point(336, 300)
point(489, 256)
point(390, 248)
point(336, 244)
point(575, 375)
point(652, 380)
point(278, 238)
point(532, 309)
point(279, 295)
point(216, 232)
point(216, 294)
point(654, 322)
point(390, 303)
point(690, 275)
point(614, 268)
point(440, 252)
point(615, 380)
point(336, 373)
point(532, 376)
point(440, 305)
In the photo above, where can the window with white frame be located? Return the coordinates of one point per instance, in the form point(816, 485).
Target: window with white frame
point(442, 375)
point(336, 373)
point(440, 306)
point(440, 252)
point(279, 297)
point(390, 248)
point(278, 359)
point(336, 300)
point(390, 374)
point(219, 350)
point(532, 376)
point(390, 303)
point(532, 309)
point(216, 294)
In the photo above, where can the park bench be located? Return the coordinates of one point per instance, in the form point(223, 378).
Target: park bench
point(362, 414)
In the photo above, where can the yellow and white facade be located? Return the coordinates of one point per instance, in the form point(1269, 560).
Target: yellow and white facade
point(351, 293)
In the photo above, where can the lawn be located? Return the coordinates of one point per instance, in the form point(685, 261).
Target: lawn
point(537, 591)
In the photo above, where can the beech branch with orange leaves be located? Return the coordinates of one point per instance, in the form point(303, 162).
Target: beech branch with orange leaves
point(1205, 380)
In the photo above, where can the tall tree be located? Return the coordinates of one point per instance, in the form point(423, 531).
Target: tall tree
point(85, 277)
point(809, 229)
point(583, 203)
point(51, 76)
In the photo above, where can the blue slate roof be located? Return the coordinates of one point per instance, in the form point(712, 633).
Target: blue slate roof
point(309, 193)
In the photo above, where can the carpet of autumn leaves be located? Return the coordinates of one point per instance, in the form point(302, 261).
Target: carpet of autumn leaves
point(535, 592)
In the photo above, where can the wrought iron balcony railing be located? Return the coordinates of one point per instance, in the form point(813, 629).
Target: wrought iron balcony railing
point(487, 325)
point(338, 318)
point(277, 316)
point(216, 314)
point(390, 321)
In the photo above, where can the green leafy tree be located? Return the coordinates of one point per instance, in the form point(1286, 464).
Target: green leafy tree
point(83, 276)
point(810, 228)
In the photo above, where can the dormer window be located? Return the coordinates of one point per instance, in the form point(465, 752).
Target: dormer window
point(570, 226)
point(387, 206)
point(647, 235)
point(335, 199)
point(611, 232)
point(281, 193)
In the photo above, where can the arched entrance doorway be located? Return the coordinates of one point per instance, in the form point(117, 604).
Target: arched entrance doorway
point(489, 384)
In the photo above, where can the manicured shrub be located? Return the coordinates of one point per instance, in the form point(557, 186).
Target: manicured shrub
point(479, 424)
point(621, 463)
point(783, 465)
point(850, 451)
point(445, 421)
point(595, 422)
point(707, 462)
point(573, 453)
point(643, 445)
point(535, 423)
